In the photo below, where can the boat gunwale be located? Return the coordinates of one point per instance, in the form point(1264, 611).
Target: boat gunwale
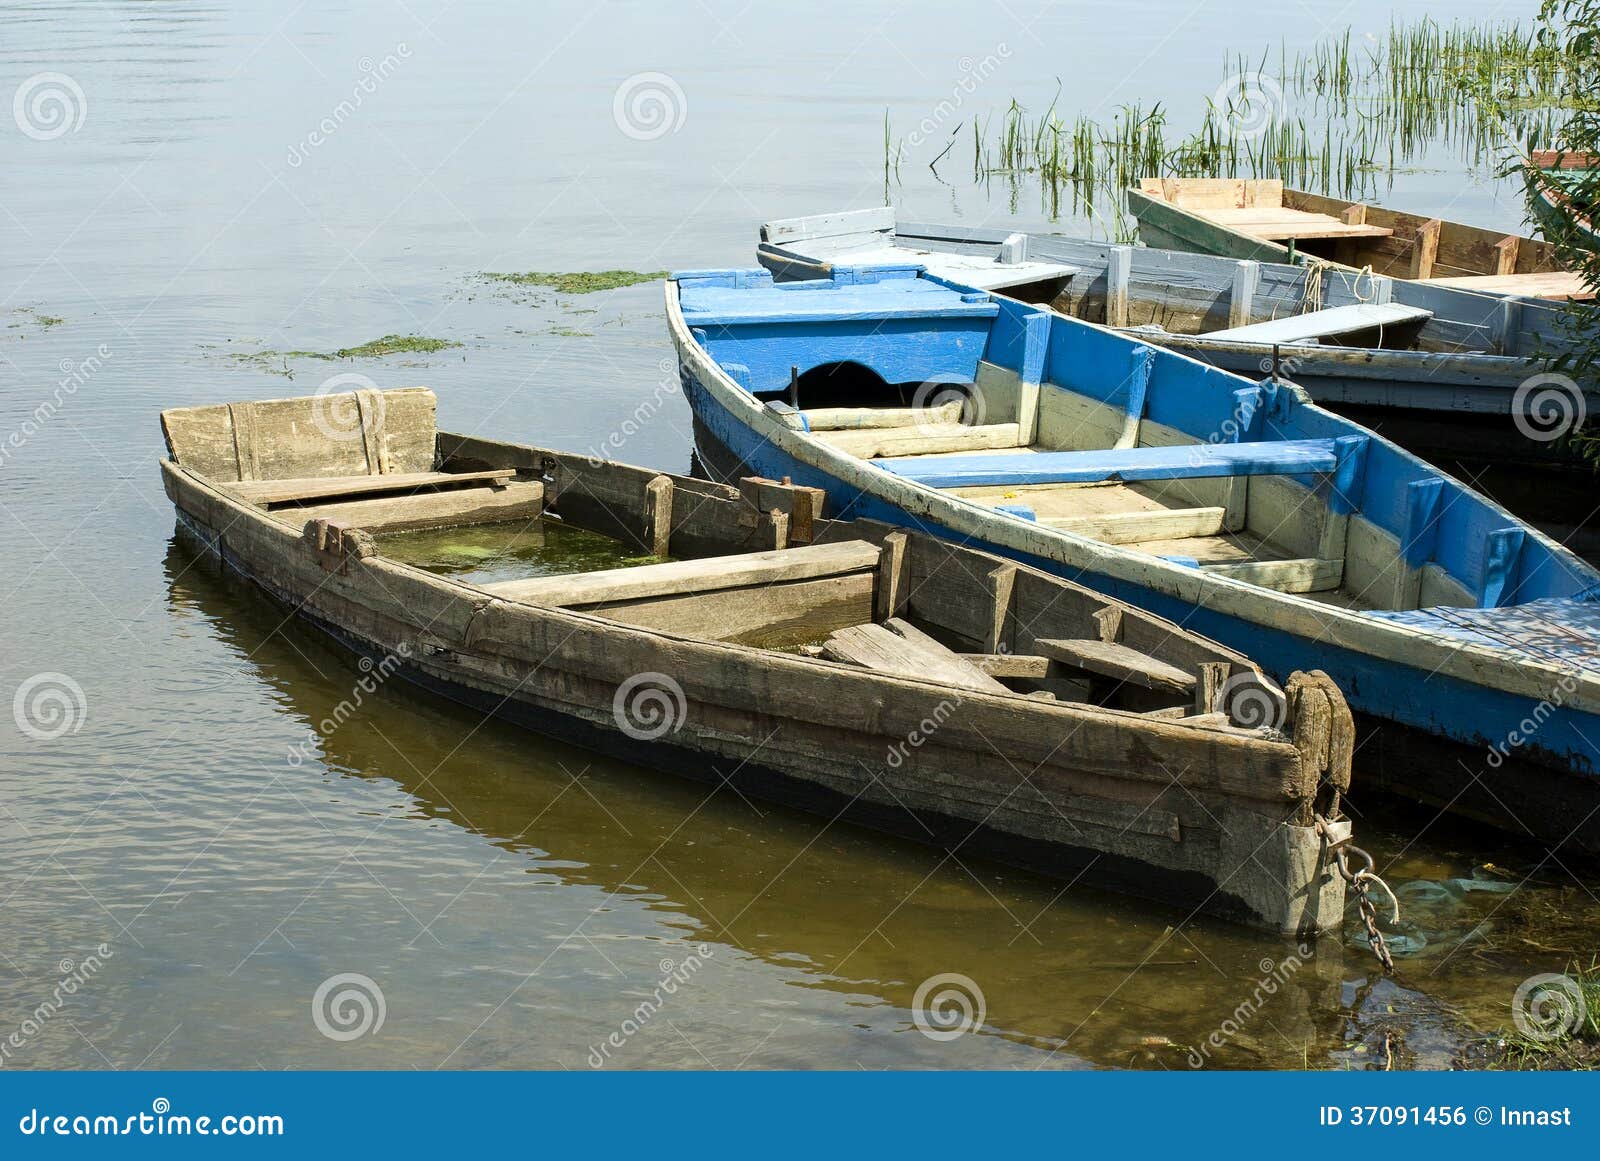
point(1046, 710)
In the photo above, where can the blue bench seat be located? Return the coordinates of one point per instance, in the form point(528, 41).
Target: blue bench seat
point(1184, 461)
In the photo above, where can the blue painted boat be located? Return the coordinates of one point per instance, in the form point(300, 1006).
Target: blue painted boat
point(1239, 509)
point(1446, 372)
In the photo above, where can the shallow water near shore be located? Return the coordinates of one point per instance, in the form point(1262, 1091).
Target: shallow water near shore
point(205, 855)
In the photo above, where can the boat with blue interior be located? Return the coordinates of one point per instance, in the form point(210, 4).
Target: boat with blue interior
point(1237, 508)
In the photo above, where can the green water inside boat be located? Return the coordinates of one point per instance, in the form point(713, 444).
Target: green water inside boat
point(515, 550)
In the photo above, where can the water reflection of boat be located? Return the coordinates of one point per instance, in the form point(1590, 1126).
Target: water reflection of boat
point(864, 918)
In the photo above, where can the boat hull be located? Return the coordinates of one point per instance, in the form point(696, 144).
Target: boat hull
point(939, 793)
point(1545, 786)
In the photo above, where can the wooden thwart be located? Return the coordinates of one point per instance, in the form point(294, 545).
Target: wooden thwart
point(334, 487)
point(1302, 575)
point(1132, 527)
point(692, 576)
point(1109, 659)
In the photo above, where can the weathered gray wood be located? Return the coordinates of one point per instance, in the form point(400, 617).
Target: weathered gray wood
point(1210, 676)
point(308, 437)
point(1118, 270)
point(1323, 324)
point(1109, 659)
point(859, 418)
point(802, 506)
point(692, 576)
point(1010, 664)
point(1302, 575)
point(1133, 527)
point(658, 515)
point(335, 487)
point(1246, 276)
point(892, 576)
point(774, 616)
point(926, 439)
point(885, 650)
point(517, 500)
point(1002, 582)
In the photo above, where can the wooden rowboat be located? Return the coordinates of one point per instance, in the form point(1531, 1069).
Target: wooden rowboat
point(1264, 221)
point(1435, 364)
point(1238, 508)
point(1560, 191)
point(850, 668)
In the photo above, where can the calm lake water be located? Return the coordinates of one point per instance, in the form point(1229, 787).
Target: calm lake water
point(258, 178)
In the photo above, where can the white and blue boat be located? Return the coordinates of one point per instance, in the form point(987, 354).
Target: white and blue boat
point(1239, 509)
point(1450, 373)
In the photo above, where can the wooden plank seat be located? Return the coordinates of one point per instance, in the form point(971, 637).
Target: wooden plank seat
point(1326, 324)
point(1558, 284)
point(899, 647)
point(1110, 659)
point(858, 418)
point(1175, 462)
point(1130, 527)
point(923, 439)
point(1282, 224)
point(679, 577)
point(271, 492)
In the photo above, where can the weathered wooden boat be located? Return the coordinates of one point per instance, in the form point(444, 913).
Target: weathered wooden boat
point(1239, 508)
point(1260, 219)
point(1434, 366)
point(848, 667)
point(1561, 190)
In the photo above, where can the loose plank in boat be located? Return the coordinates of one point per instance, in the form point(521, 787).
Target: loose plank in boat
point(689, 576)
point(1118, 661)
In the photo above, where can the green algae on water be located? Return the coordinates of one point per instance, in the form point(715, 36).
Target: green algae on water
point(277, 362)
point(576, 281)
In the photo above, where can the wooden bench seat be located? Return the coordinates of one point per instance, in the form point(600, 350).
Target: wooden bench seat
point(338, 487)
point(1176, 462)
point(1326, 324)
point(923, 439)
point(1109, 659)
point(1282, 224)
point(679, 577)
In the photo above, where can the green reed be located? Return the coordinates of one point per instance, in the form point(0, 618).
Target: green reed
point(1342, 117)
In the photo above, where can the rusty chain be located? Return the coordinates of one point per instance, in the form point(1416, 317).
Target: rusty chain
point(1361, 882)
